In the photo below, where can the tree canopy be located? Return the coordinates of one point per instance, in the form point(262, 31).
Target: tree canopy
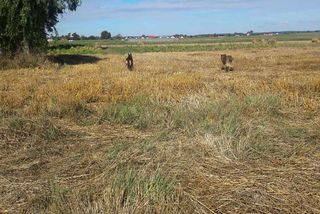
point(105, 35)
point(24, 24)
point(75, 36)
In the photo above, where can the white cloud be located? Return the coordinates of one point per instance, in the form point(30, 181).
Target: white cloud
point(286, 22)
point(99, 9)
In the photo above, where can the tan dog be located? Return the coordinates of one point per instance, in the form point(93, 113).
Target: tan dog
point(227, 62)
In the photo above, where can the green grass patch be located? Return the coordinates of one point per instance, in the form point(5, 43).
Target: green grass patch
point(76, 50)
point(193, 48)
point(174, 48)
point(41, 128)
point(202, 40)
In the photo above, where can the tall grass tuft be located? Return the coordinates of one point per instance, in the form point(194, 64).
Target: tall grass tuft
point(24, 61)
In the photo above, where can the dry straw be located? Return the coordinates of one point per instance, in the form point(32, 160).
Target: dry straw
point(177, 135)
point(272, 41)
point(98, 45)
point(255, 41)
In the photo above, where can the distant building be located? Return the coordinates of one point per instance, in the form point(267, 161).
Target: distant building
point(63, 38)
point(164, 39)
point(50, 40)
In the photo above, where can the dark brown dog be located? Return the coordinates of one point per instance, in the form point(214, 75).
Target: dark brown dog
point(129, 61)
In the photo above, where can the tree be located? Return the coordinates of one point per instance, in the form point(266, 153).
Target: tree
point(75, 36)
point(250, 32)
point(118, 36)
point(83, 37)
point(105, 35)
point(24, 24)
point(68, 36)
point(92, 38)
point(56, 37)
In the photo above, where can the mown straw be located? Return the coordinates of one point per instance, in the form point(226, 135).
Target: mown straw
point(176, 135)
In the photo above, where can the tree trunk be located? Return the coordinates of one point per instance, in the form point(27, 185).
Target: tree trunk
point(26, 47)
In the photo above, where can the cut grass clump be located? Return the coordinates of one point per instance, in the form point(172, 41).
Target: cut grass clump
point(143, 112)
point(16, 124)
point(38, 128)
point(80, 112)
point(121, 191)
point(231, 127)
point(137, 112)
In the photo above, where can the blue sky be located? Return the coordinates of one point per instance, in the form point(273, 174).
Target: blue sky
point(167, 17)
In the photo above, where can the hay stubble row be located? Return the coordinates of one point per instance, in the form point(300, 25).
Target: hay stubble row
point(290, 73)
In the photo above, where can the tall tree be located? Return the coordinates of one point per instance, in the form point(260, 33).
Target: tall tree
point(68, 36)
point(75, 36)
point(83, 37)
point(24, 24)
point(92, 37)
point(105, 35)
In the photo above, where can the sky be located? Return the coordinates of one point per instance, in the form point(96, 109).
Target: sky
point(191, 17)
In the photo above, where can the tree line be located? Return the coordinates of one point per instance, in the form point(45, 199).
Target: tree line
point(75, 36)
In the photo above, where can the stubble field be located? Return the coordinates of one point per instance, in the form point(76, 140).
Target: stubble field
point(175, 135)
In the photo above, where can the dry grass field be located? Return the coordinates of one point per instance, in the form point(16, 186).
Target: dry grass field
point(175, 135)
